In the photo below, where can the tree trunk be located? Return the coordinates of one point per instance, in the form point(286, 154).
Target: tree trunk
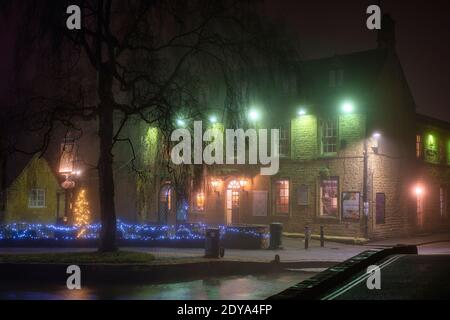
point(106, 181)
point(105, 163)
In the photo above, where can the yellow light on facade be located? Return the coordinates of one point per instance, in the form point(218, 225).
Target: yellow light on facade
point(215, 183)
point(243, 183)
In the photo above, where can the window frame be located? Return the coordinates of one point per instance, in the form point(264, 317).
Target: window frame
point(285, 139)
point(324, 129)
point(34, 203)
point(278, 197)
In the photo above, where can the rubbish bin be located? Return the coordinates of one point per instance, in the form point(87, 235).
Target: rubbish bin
point(212, 243)
point(276, 231)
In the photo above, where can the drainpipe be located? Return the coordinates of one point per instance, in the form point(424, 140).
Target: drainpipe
point(365, 189)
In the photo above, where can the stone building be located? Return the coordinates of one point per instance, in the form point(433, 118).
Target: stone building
point(355, 157)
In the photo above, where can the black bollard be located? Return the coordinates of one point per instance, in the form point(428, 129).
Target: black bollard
point(322, 237)
point(306, 238)
point(212, 243)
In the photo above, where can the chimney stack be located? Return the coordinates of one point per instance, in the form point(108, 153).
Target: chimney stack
point(386, 36)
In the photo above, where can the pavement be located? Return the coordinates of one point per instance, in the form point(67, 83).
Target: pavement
point(292, 250)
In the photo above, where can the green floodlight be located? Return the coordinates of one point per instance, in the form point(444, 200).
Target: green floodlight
point(254, 115)
point(213, 119)
point(348, 107)
point(181, 123)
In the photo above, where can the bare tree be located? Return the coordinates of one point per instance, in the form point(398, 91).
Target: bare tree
point(133, 59)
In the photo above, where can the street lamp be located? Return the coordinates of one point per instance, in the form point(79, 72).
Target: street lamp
point(302, 112)
point(69, 169)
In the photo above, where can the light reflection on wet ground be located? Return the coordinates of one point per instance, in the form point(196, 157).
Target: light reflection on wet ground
point(227, 288)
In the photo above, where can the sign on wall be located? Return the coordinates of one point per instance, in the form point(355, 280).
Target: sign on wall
point(351, 205)
point(302, 195)
point(260, 200)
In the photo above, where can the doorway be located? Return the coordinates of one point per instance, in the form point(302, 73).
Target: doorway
point(165, 203)
point(233, 202)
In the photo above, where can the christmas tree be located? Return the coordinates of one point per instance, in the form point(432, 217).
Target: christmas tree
point(81, 212)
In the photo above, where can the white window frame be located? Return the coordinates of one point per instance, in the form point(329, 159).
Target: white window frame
point(38, 201)
point(326, 133)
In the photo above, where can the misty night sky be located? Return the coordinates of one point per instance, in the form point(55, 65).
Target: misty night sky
point(326, 27)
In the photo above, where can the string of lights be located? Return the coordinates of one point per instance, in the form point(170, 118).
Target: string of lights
point(125, 231)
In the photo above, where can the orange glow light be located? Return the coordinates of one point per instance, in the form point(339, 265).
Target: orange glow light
point(215, 183)
point(418, 190)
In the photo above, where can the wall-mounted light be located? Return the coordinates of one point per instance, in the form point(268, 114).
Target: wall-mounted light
point(181, 123)
point(348, 107)
point(376, 136)
point(419, 190)
point(216, 184)
point(213, 119)
point(302, 112)
point(254, 115)
point(243, 183)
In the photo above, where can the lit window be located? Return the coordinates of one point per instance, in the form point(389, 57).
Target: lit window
point(200, 202)
point(36, 198)
point(282, 196)
point(418, 146)
point(329, 136)
point(284, 141)
point(329, 193)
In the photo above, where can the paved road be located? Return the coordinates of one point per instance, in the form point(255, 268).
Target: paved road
point(402, 277)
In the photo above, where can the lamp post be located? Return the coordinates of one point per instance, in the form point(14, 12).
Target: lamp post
point(69, 169)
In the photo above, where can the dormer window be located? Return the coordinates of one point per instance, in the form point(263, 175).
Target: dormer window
point(336, 78)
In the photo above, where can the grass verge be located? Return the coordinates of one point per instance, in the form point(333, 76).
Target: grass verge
point(119, 257)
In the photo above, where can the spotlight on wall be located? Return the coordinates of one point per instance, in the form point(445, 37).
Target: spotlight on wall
point(302, 112)
point(348, 107)
point(213, 119)
point(376, 136)
point(254, 115)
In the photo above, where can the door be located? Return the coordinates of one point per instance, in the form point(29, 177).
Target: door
point(233, 203)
